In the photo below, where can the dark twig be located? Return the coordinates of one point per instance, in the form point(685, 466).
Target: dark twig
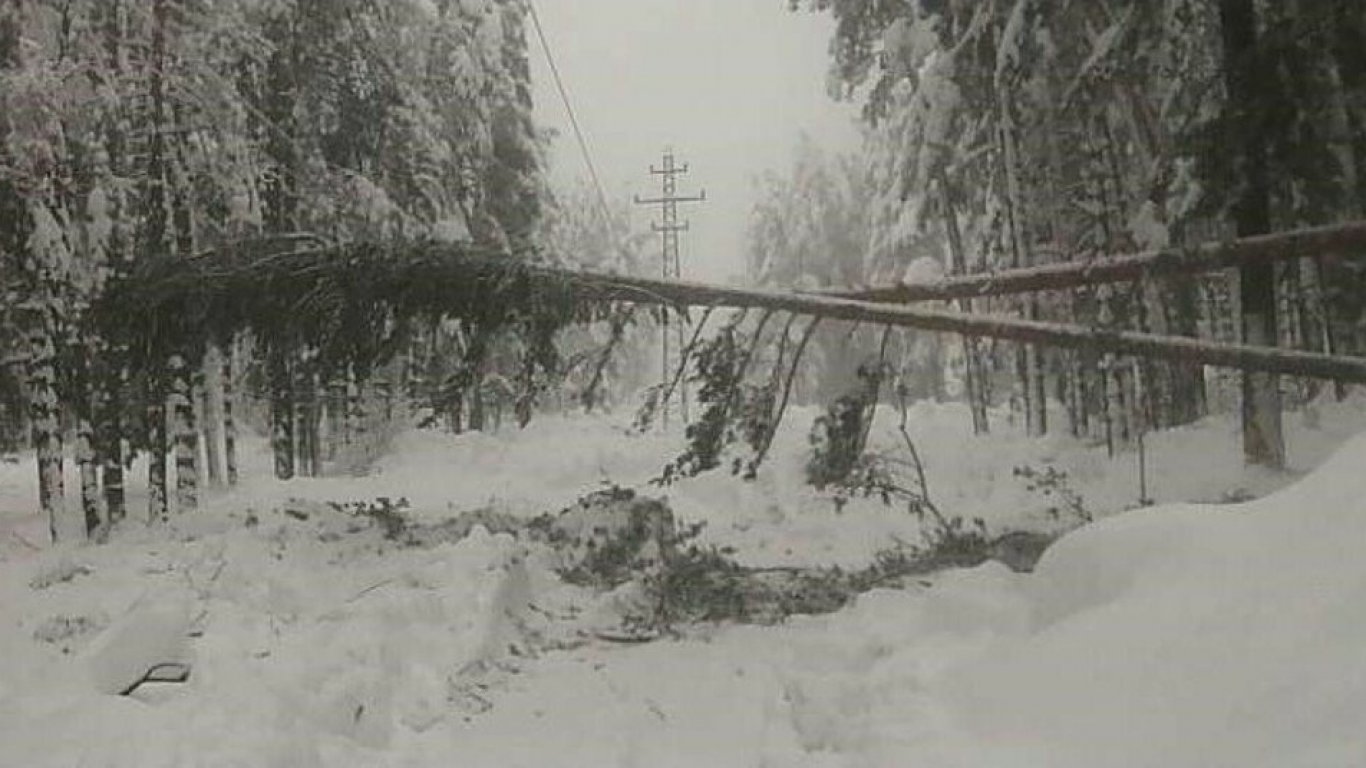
point(787, 392)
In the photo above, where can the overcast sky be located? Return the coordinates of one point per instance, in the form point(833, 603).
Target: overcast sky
point(729, 84)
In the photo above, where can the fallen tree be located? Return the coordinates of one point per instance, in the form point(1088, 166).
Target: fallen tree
point(1328, 243)
point(1246, 357)
point(353, 301)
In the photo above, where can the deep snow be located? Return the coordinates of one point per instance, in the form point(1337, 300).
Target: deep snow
point(1180, 635)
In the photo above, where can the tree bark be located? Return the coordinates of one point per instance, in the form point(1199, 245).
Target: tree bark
point(972, 362)
point(281, 412)
point(186, 437)
point(1028, 357)
point(1328, 242)
point(229, 418)
point(109, 428)
point(627, 288)
point(112, 379)
point(83, 400)
point(45, 413)
point(211, 414)
point(1263, 443)
point(157, 492)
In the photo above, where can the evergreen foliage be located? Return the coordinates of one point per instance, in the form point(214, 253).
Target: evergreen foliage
point(135, 136)
point(1015, 133)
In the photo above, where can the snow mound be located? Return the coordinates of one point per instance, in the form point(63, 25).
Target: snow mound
point(1192, 636)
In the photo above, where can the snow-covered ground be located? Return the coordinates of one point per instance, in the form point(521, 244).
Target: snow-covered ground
point(1179, 635)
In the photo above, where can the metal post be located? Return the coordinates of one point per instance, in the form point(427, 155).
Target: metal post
point(670, 267)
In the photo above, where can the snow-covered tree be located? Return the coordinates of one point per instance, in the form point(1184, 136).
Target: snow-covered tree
point(133, 132)
point(1027, 131)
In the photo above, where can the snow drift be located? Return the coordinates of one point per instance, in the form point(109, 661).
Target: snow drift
point(1182, 636)
point(1193, 636)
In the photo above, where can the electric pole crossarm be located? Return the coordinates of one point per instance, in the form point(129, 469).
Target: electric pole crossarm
point(699, 198)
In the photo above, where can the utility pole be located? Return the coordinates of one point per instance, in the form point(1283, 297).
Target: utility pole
point(669, 228)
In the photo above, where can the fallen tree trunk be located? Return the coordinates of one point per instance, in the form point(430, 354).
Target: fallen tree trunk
point(1328, 242)
point(245, 291)
point(1179, 348)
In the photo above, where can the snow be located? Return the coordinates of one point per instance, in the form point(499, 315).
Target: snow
point(1179, 635)
point(923, 269)
point(154, 631)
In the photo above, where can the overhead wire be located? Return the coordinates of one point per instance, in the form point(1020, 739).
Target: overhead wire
point(573, 117)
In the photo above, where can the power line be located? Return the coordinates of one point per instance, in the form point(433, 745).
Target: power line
point(569, 108)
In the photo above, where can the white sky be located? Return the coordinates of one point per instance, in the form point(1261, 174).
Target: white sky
point(729, 84)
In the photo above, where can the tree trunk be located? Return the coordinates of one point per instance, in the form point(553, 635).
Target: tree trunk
point(157, 491)
point(45, 413)
point(83, 400)
point(281, 412)
point(229, 418)
point(311, 417)
point(972, 361)
point(186, 437)
point(109, 435)
point(336, 427)
point(111, 420)
point(1326, 241)
point(305, 402)
point(211, 414)
point(606, 288)
point(280, 199)
point(1028, 359)
point(1263, 443)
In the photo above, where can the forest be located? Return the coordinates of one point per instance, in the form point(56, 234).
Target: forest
point(327, 415)
point(997, 136)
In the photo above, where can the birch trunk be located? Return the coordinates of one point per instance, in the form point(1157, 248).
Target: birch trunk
point(186, 436)
point(45, 416)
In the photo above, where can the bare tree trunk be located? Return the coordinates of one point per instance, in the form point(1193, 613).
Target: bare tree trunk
point(281, 412)
point(1177, 262)
point(972, 361)
point(304, 403)
point(45, 413)
point(229, 418)
point(280, 208)
point(1028, 363)
point(355, 410)
point(109, 437)
point(1263, 443)
point(82, 400)
point(211, 414)
point(186, 437)
point(111, 420)
point(336, 404)
point(157, 492)
point(312, 427)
